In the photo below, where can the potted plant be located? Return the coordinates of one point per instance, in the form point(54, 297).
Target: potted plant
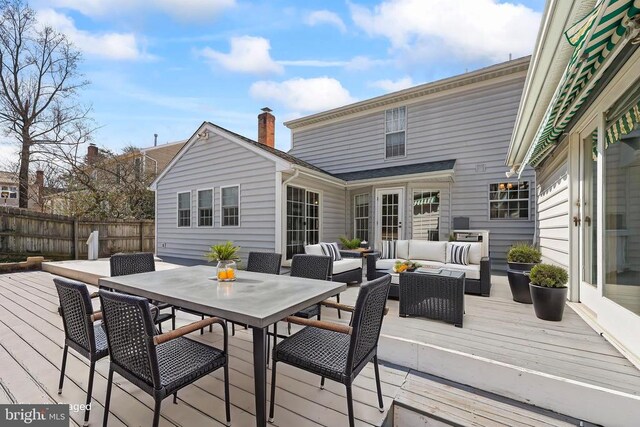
point(226, 255)
point(350, 243)
point(548, 291)
point(522, 257)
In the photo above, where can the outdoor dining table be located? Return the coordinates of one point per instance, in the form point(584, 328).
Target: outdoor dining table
point(255, 299)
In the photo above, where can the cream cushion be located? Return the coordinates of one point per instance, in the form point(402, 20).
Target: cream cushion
point(346, 264)
point(402, 249)
point(313, 250)
point(475, 252)
point(472, 271)
point(427, 250)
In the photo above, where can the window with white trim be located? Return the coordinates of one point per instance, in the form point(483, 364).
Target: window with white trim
point(184, 209)
point(361, 216)
point(230, 206)
point(426, 215)
point(205, 208)
point(395, 132)
point(509, 200)
point(9, 192)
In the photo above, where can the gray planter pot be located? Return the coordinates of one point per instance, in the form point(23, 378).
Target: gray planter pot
point(548, 303)
point(522, 266)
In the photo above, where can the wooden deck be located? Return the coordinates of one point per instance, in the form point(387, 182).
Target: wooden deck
point(31, 339)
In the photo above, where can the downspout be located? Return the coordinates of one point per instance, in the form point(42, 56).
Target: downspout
point(291, 178)
point(450, 213)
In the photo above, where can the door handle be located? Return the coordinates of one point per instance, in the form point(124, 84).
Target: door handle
point(587, 220)
point(576, 221)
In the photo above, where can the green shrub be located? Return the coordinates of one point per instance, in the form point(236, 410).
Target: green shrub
point(550, 276)
point(223, 252)
point(525, 253)
point(350, 243)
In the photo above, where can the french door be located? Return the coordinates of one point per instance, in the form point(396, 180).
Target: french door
point(587, 218)
point(389, 214)
point(303, 220)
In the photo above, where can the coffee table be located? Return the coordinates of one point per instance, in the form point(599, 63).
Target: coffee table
point(433, 295)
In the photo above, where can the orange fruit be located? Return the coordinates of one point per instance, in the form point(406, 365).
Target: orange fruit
point(231, 273)
point(222, 275)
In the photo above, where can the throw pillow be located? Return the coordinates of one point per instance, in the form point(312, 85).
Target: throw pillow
point(459, 253)
point(389, 248)
point(332, 250)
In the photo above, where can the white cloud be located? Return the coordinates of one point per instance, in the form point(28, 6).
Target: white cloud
point(357, 63)
point(299, 94)
point(184, 10)
point(110, 45)
point(468, 29)
point(393, 85)
point(319, 17)
point(248, 55)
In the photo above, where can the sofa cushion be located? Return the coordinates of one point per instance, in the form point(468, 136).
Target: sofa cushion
point(475, 252)
point(332, 250)
point(427, 250)
point(402, 249)
point(386, 264)
point(346, 264)
point(458, 253)
point(388, 249)
point(313, 250)
point(472, 271)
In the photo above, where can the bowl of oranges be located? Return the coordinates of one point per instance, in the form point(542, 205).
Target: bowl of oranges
point(408, 265)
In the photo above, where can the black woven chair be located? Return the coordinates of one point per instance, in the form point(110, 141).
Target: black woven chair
point(81, 334)
point(162, 364)
point(337, 351)
point(311, 267)
point(261, 262)
point(123, 264)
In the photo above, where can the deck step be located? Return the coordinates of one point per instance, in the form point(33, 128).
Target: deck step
point(429, 401)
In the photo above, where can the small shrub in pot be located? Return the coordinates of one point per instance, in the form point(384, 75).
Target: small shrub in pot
point(521, 258)
point(523, 253)
point(548, 291)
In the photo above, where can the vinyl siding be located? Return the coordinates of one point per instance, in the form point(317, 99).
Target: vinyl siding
point(473, 126)
point(333, 206)
point(209, 164)
point(553, 211)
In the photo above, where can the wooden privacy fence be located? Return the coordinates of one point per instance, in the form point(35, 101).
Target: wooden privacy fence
point(24, 232)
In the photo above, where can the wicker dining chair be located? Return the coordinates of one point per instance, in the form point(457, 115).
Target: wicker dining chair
point(337, 351)
point(80, 332)
point(261, 262)
point(123, 264)
point(161, 364)
point(317, 267)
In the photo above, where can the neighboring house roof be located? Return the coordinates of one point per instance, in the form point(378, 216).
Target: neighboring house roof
point(483, 74)
point(8, 177)
point(416, 168)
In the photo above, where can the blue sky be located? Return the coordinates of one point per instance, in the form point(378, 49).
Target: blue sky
point(164, 66)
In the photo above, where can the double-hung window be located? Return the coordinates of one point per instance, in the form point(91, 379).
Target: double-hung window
point(509, 200)
point(230, 206)
point(395, 132)
point(361, 217)
point(205, 208)
point(184, 209)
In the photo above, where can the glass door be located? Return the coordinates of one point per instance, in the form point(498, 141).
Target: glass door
point(587, 218)
point(389, 214)
point(303, 220)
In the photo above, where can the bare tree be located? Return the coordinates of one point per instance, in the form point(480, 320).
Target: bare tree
point(39, 83)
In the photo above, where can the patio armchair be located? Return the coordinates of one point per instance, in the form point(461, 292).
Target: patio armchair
point(161, 364)
point(80, 331)
point(123, 264)
point(336, 351)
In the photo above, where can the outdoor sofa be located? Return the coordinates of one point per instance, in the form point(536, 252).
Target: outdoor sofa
point(347, 269)
point(433, 254)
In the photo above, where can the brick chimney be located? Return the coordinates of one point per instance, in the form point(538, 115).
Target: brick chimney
point(266, 127)
point(40, 189)
point(92, 154)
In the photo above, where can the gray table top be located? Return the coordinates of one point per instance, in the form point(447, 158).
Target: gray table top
point(255, 299)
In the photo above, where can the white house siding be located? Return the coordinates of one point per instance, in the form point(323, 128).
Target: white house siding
point(553, 210)
point(472, 126)
point(333, 206)
point(213, 163)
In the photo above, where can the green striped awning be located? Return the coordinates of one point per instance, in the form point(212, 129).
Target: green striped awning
point(593, 37)
point(616, 130)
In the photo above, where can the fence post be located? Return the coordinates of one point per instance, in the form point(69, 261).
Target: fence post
point(75, 239)
point(141, 236)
